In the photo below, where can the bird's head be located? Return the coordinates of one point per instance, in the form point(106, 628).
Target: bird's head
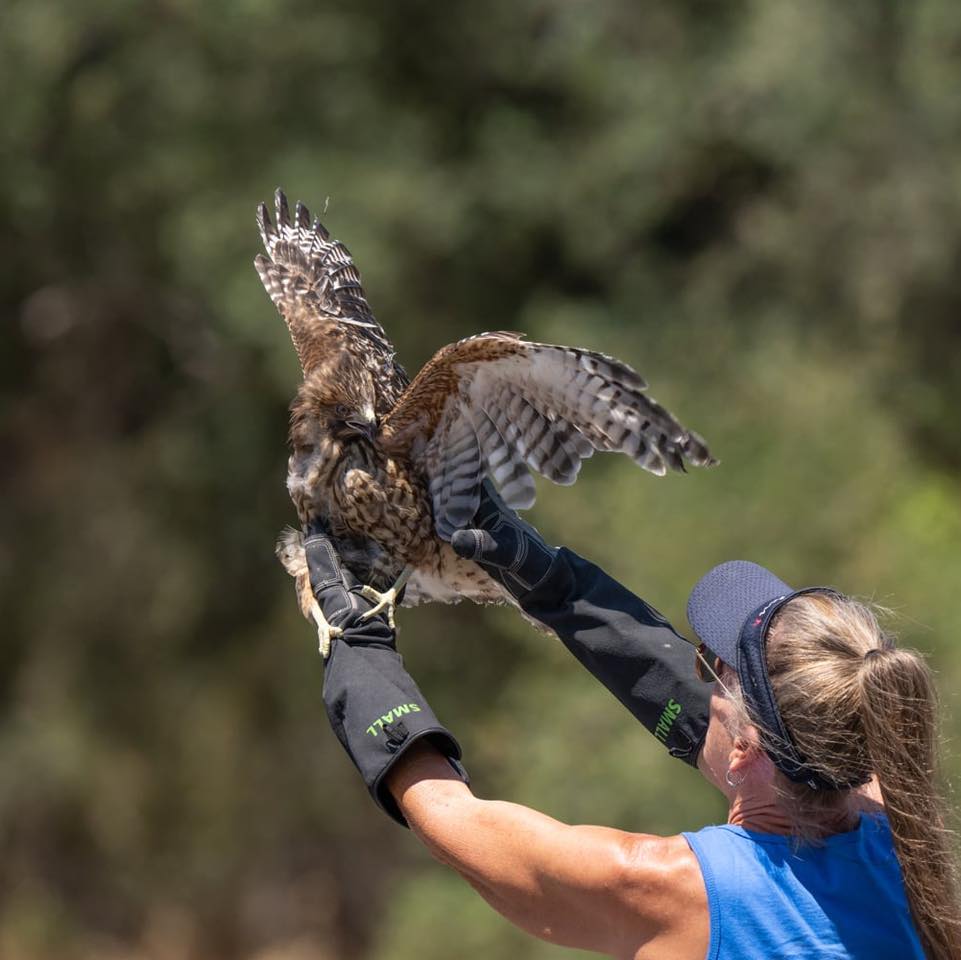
point(351, 419)
point(343, 400)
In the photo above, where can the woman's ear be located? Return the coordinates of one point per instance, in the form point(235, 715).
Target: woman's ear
point(746, 750)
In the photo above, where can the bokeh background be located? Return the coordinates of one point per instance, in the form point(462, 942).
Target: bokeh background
point(758, 204)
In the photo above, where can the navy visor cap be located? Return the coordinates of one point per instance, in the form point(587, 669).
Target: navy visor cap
point(730, 609)
point(725, 597)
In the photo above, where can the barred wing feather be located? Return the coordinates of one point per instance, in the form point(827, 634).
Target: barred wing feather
point(316, 287)
point(498, 405)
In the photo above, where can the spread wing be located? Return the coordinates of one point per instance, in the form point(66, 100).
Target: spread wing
point(495, 404)
point(314, 284)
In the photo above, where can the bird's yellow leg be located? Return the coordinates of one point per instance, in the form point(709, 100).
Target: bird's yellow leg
point(325, 631)
point(386, 600)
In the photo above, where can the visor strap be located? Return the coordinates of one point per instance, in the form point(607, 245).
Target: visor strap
point(756, 687)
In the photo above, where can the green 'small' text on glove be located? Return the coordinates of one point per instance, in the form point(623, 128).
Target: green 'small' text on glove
point(623, 641)
point(374, 707)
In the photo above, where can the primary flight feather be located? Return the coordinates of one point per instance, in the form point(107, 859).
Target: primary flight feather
point(393, 466)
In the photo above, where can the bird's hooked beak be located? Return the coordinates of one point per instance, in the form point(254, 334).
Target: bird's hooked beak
point(364, 424)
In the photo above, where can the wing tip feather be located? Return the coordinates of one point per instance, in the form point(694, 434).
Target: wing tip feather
point(281, 209)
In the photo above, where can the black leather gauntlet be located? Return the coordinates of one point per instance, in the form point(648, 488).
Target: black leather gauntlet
point(374, 707)
point(619, 638)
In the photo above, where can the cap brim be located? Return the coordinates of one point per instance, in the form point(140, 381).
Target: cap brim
point(723, 599)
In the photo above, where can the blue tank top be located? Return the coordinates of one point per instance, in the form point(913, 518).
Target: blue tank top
point(767, 898)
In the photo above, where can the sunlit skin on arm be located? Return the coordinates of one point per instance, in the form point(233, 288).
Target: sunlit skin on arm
point(626, 895)
point(623, 894)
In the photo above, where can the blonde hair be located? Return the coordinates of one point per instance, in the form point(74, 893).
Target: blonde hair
point(855, 705)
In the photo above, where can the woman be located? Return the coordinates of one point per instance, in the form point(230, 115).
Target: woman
point(821, 735)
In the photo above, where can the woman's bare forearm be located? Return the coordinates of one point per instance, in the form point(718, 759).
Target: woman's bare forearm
point(568, 885)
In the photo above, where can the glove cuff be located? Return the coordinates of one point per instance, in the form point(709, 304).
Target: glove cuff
point(378, 712)
point(438, 737)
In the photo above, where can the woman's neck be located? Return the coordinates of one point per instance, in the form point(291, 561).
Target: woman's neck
point(759, 814)
point(763, 812)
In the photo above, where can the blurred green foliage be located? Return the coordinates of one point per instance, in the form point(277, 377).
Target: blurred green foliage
point(756, 203)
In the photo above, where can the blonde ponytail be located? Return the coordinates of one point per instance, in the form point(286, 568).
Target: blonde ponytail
point(854, 705)
point(899, 717)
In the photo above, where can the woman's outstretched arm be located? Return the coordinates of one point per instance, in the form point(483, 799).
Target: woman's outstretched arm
point(622, 894)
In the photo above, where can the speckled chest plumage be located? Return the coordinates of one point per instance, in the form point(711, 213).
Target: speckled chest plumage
point(393, 467)
point(375, 506)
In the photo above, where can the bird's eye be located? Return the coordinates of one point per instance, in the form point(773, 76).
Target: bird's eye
point(342, 410)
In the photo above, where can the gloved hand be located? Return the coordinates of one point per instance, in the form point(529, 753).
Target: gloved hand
point(621, 640)
point(508, 548)
point(374, 706)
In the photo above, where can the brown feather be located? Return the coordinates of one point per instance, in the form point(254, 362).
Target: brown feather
point(494, 404)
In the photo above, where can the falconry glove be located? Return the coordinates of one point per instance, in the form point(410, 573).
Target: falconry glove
point(374, 707)
point(509, 549)
point(620, 639)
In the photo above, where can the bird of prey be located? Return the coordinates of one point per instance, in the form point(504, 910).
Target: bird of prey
point(393, 466)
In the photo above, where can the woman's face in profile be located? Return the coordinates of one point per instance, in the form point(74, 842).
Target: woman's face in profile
point(716, 753)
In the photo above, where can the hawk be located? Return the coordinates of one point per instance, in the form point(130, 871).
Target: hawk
point(393, 466)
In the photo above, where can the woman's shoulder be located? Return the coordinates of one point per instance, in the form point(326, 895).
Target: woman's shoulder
point(663, 883)
point(659, 860)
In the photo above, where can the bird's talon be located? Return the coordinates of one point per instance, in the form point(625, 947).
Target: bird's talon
point(325, 631)
point(382, 601)
point(324, 638)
